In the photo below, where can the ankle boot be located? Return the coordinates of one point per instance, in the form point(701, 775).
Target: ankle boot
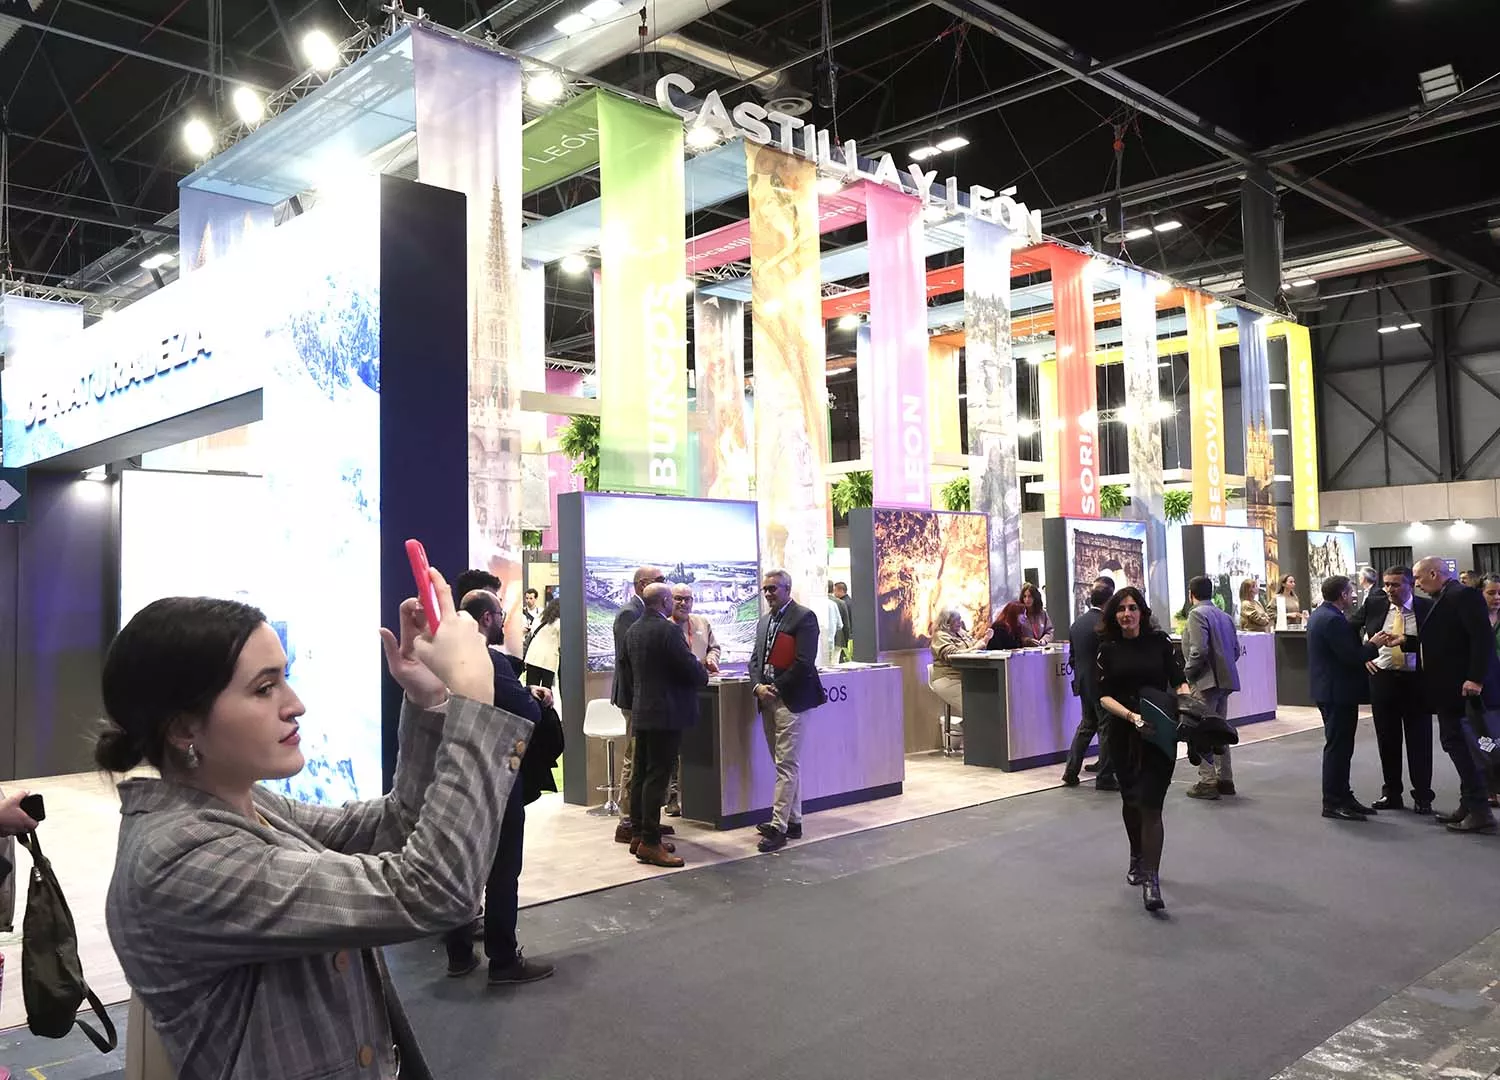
point(1151, 891)
point(1133, 875)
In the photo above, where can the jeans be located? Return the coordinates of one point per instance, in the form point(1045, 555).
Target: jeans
point(1339, 721)
point(501, 892)
point(655, 754)
point(1093, 721)
point(783, 730)
point(1399, 712)
point(1461, 742)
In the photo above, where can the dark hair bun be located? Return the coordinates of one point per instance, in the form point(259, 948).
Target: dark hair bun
point(116, 752)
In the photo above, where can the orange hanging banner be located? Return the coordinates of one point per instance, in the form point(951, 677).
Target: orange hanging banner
point(1206, 390)
point(1077, 398)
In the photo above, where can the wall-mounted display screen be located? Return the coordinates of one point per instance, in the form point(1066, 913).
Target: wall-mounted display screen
point(925, 562)
point(712, 546)
point(1230, 555)
point(1328, 554)
point(1102, 548)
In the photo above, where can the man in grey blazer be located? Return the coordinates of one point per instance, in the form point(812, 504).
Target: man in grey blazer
point(787, 687)
point(1210, 649)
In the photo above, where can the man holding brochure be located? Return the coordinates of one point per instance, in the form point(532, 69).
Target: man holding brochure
point(784, 666)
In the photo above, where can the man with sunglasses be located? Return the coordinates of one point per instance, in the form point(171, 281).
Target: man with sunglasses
point(619, 694)
point(784, 667)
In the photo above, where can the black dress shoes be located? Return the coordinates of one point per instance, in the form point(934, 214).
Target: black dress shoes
point(793, 831)
point(1343, 813)
point(1453, 818)
point(1360, 808)
point(1092, 766)
point(1389, 802)
point(1106, 783)
point(1422, 808)
point(1070, 779)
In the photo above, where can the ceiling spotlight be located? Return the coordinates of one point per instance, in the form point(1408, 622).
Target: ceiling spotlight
point(1386, 329)
point(1215, 205)
point(198, 137)
point(702, 137)
point(572, 24)
point(1161, 286)
point(1304, 282)
point(1411, 326)
point(157, 261)
point(922, 153)
point(952, 142)
point(849, 322)
point(1138, 234)
point(1168, 226)
point(574, 264)
point(545, 87)
point(829, 185)
point(248, 106)
point(1436, 84)
point(319, 50)
point(601, 9)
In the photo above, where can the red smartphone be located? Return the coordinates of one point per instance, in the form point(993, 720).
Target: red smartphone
point(426, 591)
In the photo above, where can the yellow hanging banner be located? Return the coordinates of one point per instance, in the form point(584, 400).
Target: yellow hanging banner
point(1304, 422)
point(942, 399)
point(1206, 388)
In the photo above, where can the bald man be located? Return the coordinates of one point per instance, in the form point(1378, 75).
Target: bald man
point(644, 576)
point(1456, 648)
point(661, 678)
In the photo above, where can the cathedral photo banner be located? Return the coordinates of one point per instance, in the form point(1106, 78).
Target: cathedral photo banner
point(468, 105)
point(725, 464)
point(791, 385)
point(1206, 391)
point(1143, 412)
point(642, 333)
point(1306, 513)
point(1077, 392)
point(898, 349)
point(1255, 407)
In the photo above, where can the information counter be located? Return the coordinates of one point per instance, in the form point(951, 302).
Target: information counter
point(1291, 668)
point(1256, 698)
point(853, 748)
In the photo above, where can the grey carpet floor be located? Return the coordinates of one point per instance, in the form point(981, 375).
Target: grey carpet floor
point(999, 941)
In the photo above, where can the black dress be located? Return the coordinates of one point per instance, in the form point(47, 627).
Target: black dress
point(1125, 666)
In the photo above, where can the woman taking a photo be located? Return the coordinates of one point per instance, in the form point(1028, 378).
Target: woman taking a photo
point(1036, 628)
point(1135, 654)
point(247, 923)
point(1253, 617)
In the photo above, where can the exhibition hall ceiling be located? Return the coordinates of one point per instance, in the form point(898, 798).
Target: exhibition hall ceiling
point(97, 93)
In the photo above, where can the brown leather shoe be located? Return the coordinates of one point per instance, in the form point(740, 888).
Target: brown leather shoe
point(658, 855)
point(635, 845)
point(624, 832)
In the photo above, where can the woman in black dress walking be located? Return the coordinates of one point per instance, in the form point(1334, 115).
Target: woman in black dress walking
point(1133, 654)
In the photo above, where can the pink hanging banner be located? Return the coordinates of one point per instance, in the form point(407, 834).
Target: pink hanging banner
point(1077, 396)
point(732, 243)
point(560, 474)
point(898, 349)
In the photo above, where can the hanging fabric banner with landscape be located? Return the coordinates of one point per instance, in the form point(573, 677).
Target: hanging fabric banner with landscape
point(642, 332)
point(1255, 407)
point(898, 348)
point(1206, 390)
point(791, 385)
point(468, 104)
point(725, 464)
point(1143, 417)
point(536, 502)
point(1077, 393)
point(990, 368)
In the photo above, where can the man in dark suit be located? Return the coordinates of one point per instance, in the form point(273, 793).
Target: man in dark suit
point(1083, 658)
point(1338, 681)
point(662, 678)
point(786, 687)
point(1399, 706)
point(619, 695)
point(1457, 645)
point(502, 889)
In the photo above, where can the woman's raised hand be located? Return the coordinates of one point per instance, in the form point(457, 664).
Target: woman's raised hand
point(454, 660)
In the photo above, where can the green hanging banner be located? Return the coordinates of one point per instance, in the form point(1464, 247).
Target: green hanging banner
point(563, 143)
point(642, 330)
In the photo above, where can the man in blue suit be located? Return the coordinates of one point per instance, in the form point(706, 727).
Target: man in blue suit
point(1339, 682)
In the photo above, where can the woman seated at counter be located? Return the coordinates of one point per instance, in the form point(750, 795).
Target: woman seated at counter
point(1006, 632)
point(1286, 596)
point(1253, 617)
point(1036, 628)
point(952, 637)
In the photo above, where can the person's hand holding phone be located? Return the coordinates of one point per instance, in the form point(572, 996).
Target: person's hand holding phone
point(454, 660)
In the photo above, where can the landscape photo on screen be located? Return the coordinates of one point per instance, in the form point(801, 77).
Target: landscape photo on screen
point(1100, 548)
point(1328, 554)
point(927, 561)
point(1230, 555)
point(711, 546)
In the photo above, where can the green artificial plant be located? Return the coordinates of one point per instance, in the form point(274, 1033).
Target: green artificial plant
point(1111, 500)
point(579, 439)
point(1177, 506)
point(955, 493)
point(853, 490)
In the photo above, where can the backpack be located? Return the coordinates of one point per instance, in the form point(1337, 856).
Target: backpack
point(51, 976)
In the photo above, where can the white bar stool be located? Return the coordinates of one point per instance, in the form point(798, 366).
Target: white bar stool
point(601, 720)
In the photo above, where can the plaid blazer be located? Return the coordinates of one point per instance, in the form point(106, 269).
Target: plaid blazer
point(254, 947)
